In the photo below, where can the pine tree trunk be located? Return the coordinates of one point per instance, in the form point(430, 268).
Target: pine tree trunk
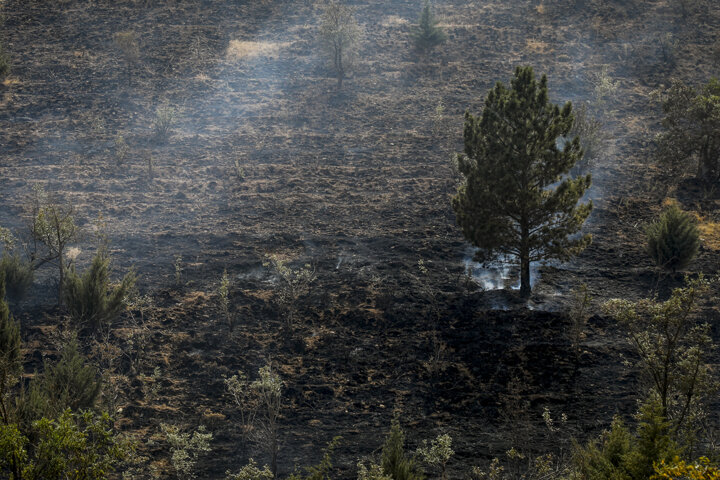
point(525, 289)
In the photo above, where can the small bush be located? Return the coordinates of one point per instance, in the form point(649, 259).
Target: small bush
point(18, 276)
point(89, 297)
point(395, 462)
point(674, 239)
point(185, 448)
point(251, 472)
point(426, 35)
point(69, 383)
point(164, 119)
point(127, 43)
point(10, 353)
point(592, 140)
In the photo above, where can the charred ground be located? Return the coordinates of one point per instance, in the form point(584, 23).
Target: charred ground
point(355, 183)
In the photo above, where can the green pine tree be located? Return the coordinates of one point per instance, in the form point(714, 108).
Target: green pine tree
point(673, 240)
point(516, 198)
point(89, 297)
point(426, 34)
point(395, 462)
point(69, 383)
point(10, 354)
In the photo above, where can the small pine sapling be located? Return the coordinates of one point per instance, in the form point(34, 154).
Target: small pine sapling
point(427, 35)
point(673, 240)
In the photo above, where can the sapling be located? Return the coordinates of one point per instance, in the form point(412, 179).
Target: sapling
point(438, 453)
point(178, 270)
point(224, 299)
point(339, 36)
point(186, 448)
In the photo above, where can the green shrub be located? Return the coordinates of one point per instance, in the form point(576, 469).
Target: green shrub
point(10, 355)
point(69, 383)
point(165, 117)
point(673, 240)
point(72, 446)
point(185, 448)
point(426, 35)
point(90, 299)
point(395, 462)
point(18, 276)
point(321, 471)
point(620, 455)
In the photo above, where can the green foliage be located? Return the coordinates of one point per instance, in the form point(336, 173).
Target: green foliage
point(673, 349)
point(165, 117)
point(673, 240)
point(514, 199)
point(426, 35)
point(619, 455)
point(589, 130)
point(69, 383)
point(90, 299)
point(394, 461)
point(251, 472)
point(260, 404)
point(373, 472)
point(13, 450)
point(438, 453)
point(185, 448)
point(224, 298)
point(692, 130)
point(73, 446)
point(653, 442)
point(76, 447)
point(321, 471)
point(292, 286)
point(604, 460)
point(10, 353)
point(339, 37)
point(18, 275)
point(52, 226)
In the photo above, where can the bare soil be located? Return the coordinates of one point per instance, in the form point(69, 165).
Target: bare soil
point(267, 156)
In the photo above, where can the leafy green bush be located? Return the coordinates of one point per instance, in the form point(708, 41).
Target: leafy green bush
point(18, 276)
point(89, 297)
point(426, 35)
point(674, 239)
point(72, 446)
point(321, 471)
point(10, 355)
point(185, 448)
point(165, 117)
point(674, 350)
point(620, 455)
point(69, 383)
point(251, 472)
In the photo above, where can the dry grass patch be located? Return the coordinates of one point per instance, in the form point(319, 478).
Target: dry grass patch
point(394, 21)
point(240, 49)
point(537, 46)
